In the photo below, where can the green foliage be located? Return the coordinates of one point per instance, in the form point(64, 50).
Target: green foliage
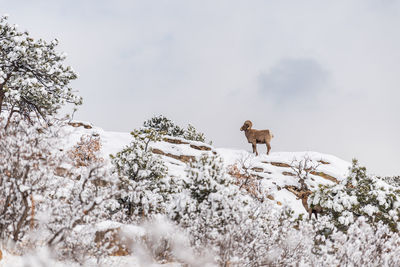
point(192, 134)
point(359, 195)
point(165, 126)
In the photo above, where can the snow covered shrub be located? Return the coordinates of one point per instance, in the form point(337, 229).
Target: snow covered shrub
point(205, 206)
point(392, 180)
point(85, 152)
point(359, 195)
point(163, 124)
point(191, 133)
point(38, 203)
point(205, 185)
point(302, 169)
point(361, 245)
point(33, 77)
point(166, 126)
point(26, 165)
point(145, 187)
point(239, 229)
point(283, 241)
point(244, 232)
point(205, 177)
point(85, 197)
point(245, 179)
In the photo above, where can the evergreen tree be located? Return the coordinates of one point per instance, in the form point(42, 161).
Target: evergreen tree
point(33, 78)
point(145, 187)
point(166, 126)
point(192, 134)
point(359, 195)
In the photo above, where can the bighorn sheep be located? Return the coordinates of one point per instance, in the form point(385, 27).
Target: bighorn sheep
point(257, 136)
point(310, 210)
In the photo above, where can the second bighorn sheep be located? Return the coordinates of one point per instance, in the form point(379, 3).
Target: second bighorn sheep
point(257, 136)
point(310, 210)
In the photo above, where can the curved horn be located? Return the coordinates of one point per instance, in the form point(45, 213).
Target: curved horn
point(249, 123)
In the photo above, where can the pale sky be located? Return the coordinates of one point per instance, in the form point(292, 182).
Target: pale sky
point(321, 75)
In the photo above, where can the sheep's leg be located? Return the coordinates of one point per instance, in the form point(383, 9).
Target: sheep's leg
point(255, 148)
point(268, 148)
point(316, 214)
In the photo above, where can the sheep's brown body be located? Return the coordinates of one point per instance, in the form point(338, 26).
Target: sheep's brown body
point(255, 137)
point(310, 210)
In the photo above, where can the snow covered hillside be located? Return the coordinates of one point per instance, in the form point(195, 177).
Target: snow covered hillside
point(276, 173)
point(156, 197)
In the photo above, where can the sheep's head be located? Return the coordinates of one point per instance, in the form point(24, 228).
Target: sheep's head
point(246, 125)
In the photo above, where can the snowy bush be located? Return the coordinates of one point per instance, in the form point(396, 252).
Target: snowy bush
point(44, 198)
point(27, 164)
point(204, 206)
point(302, 169)
point(359, 195)
point(206, 176)
point(145, 187)
point(164, 125)
point(210, 194)
point(238, 228)
point(245, 178)
point(392, 180)
point(192, 134)
point(362, 245)
point(85, 197)
point(86, 151)
point(241, 230)
point(204, 187)
point(33, 78)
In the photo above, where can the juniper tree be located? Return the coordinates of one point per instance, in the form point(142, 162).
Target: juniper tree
point(33, 77)
point(163, 124)
point(142, 174)
point(166, 126)
point(359, 195)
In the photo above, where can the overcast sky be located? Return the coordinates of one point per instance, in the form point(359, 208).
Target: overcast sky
point(322, 75)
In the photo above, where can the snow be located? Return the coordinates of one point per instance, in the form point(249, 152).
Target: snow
point(133, 230)
point(288, 199)
point(106, 225)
